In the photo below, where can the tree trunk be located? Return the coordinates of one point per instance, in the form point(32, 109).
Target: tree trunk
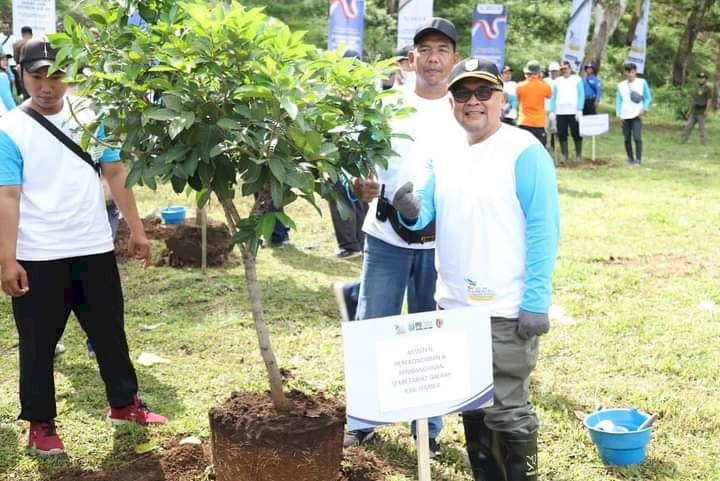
point(606, 19)
point(391, 6)
point(687, 41)
point(634, 20)
point(249, 262)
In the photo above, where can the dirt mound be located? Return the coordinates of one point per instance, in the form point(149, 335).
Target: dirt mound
point(182, 241)
point(177, 463)
point(360, 465)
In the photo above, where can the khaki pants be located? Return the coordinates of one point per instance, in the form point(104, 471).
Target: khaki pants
point(695, 117)
point(513, 361)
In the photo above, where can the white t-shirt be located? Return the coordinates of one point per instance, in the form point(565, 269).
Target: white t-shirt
point(62, 206)
point(432, 123)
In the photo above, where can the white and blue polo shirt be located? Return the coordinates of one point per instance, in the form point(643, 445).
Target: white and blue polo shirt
point(496, 213)
point(62, 206)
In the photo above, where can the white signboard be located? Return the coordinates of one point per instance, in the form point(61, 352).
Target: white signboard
point(417, 366)
point(36, 14)
point(591, 125)
point(412, 14)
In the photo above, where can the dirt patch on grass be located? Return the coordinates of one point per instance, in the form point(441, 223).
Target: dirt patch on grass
point(664, 266)
point(176, 463)
point(360, 465)
point(192, 462)
point(585, 164)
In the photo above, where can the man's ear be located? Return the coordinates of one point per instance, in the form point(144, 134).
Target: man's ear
point(411, 58)
point(452, 102)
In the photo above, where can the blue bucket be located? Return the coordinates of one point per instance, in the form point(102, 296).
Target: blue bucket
point(173, 214)
point(615, 433)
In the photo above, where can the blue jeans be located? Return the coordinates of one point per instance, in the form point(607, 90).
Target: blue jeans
point(388, 271)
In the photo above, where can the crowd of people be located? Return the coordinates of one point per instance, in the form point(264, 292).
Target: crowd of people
point(470, 196)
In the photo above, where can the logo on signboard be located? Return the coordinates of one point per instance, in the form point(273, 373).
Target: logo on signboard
point(439, 322)
point(491, 31)
point(399, 329)
point(348, 7)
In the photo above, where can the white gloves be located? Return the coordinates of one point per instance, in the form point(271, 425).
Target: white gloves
point(578, 115)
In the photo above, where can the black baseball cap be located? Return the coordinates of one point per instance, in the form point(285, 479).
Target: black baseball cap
point(475, 67)
point(436, 25)
point(36, 54)
point(403, 52)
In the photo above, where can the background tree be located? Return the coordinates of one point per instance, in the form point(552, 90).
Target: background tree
point(229, 102)
point(606, 18)
point(687, 40)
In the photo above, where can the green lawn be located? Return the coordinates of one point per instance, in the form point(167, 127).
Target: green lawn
point(639, 253)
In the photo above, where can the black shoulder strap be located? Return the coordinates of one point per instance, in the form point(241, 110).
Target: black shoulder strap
point(60, 135)
point(7, 37)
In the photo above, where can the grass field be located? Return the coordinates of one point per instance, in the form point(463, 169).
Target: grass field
point(637, 275)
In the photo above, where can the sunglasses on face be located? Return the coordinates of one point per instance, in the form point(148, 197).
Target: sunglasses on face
point(463, 94)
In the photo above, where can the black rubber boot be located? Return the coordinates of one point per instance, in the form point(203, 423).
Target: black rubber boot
point(519, 455)
point(478, 439)
point(578, 150)
point(564, 150)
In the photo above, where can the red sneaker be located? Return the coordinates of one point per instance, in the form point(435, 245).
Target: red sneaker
point(136, 412)
point(43, 439)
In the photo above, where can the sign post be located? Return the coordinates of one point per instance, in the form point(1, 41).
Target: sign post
point(594, 125)
point(489, 25)
point(417, 366)
point(346, 24)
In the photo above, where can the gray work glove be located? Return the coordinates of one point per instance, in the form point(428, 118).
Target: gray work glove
point(532, 324)
point(406, 203)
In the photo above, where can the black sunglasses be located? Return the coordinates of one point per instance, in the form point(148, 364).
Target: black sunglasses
point(463, 94)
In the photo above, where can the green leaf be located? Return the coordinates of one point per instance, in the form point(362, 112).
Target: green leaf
point(178, 184)
point(286, 220)
point(277, 189)
point(229, 124)
point(289, 106)
point(156, 113)
point(266, 225)
point(202, 197)
point(134, 175)
point(277, 168)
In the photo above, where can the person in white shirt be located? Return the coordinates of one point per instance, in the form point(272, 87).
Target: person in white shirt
point(632, 100)
point(495, 202)
point(404, 78)
point(396, 259)
point(566, 104)
point(56, 249)
point(510, 112)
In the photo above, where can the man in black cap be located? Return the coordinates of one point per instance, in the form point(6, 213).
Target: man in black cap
point(495, 204)
point(56, 253)
point(699, 109)
point(397, 260)
point(404, 77)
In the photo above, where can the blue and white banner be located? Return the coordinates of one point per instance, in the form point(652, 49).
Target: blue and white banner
point(412, 14)
point(346, 25)
point(639, 44)
point(577, 33)
point(489, 25)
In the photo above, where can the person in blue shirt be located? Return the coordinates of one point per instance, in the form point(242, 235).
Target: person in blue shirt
point(6, 82)
point(593, 90)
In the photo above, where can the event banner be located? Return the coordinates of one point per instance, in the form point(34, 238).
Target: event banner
point(418, 365)
point(36, 14)
point(639, 44)
point(412, 14)
point(346, 25)
point(489, 25)
point(577, 33)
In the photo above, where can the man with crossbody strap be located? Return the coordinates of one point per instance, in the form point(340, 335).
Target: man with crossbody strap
point(56, 250)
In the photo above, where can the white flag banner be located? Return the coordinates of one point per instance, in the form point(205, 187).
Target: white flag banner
point(639, 44)
point(37, 14)
point(412, 14)
point(577, 33)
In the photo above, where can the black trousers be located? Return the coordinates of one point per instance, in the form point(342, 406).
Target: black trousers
point(565, 122)
point(348, 232)
point(538, 132)
point(589, 107)
point(90, 287)
point(632, 130)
